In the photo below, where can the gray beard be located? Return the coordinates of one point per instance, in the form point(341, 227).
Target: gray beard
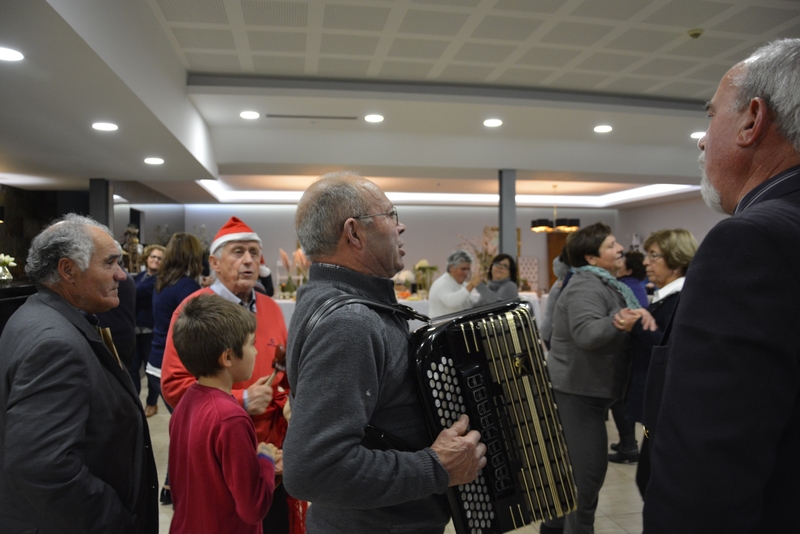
point(710, 195)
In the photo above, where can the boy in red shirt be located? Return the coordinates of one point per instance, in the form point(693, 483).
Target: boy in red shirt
point(222, 480)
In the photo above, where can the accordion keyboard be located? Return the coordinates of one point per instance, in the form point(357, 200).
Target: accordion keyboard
point(490, 365)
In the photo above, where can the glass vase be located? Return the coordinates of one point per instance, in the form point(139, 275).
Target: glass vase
point(5, 275)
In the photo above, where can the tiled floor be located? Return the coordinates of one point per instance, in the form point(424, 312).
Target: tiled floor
point(619, 510)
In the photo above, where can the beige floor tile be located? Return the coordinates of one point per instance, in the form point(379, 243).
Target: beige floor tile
point(631, 523)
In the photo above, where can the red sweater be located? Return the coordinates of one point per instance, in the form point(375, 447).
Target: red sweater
point(218, 482)
point(270, 332)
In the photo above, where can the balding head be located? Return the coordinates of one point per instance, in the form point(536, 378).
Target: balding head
point(324, 208)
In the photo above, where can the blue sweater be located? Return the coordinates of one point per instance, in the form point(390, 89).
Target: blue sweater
point(144, 299)
point(164, 305)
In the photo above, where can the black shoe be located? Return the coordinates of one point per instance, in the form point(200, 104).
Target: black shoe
point(614, 446)
point(166, 496)
point(622, 457)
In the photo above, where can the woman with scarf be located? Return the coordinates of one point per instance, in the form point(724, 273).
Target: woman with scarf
point(589, 362)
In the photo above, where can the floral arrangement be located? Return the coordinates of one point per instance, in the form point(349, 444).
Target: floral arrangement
point(403, 278)
point(424, 274)
point(483, 248)
point(7, 261)
point(298, 266)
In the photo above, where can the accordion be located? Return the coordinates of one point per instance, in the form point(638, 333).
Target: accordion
point(488, 363)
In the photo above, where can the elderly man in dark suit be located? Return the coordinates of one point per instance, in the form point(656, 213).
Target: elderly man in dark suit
point(75, 450)
point(726, 433)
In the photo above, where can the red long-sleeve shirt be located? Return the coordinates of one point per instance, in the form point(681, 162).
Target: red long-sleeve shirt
point(218, 482)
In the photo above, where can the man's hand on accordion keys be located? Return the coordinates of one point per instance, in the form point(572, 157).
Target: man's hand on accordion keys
point(460, 452)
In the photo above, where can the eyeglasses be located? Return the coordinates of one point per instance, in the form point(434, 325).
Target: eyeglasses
point(501, 266)
point(391, 214)
point(654, 255)
point(152, 257)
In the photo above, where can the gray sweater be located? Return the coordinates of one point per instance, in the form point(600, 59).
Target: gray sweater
point(588, 355)
point(353, 369)
point(496, 291)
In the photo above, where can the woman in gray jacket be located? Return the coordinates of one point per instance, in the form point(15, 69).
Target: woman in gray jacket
point(502, 283)
point(589, 361)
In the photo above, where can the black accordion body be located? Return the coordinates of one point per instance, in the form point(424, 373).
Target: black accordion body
point(488, 363)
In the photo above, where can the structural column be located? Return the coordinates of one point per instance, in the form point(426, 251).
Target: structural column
point(507, 239)
point(101, 202)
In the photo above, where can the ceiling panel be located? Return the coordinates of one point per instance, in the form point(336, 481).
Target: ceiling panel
point(688, 13)
point(483, 53)
point(274, 14)
point(619, 10)
point(755, 20)
point(199, 38)
point(505, 28)
point(194, 11)
point(261, 41)
point(432, 22)
point(539, 6)
point(576, 33)
point(354, 45)
point(346, 17)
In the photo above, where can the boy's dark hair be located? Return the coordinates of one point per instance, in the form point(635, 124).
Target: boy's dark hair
point(207, 326)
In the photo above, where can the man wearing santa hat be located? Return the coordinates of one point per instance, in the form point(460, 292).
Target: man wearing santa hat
point(235, 259)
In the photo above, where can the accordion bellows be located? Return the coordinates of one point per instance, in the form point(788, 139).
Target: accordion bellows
point(488, 363)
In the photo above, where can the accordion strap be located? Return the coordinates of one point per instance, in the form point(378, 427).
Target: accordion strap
point(334, 303)
point(375, 437)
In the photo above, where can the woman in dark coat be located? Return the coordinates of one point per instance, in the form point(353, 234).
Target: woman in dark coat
point(667, 258)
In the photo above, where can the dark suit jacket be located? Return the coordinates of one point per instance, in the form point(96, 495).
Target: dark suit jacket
point(75, 449)
point(725, 443)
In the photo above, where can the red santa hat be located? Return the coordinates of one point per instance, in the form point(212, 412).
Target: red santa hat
point(234, 230)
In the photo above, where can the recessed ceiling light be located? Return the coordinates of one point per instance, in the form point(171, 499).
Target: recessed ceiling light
point(105, 126)
point(374, 118)
point(492, 123)
point(603, 128)
point(153, 161)
point(698, 135)
point(7, 54)
point(250, 115)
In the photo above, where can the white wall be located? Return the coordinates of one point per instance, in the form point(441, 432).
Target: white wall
point(692, 214)
point(432, 231)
